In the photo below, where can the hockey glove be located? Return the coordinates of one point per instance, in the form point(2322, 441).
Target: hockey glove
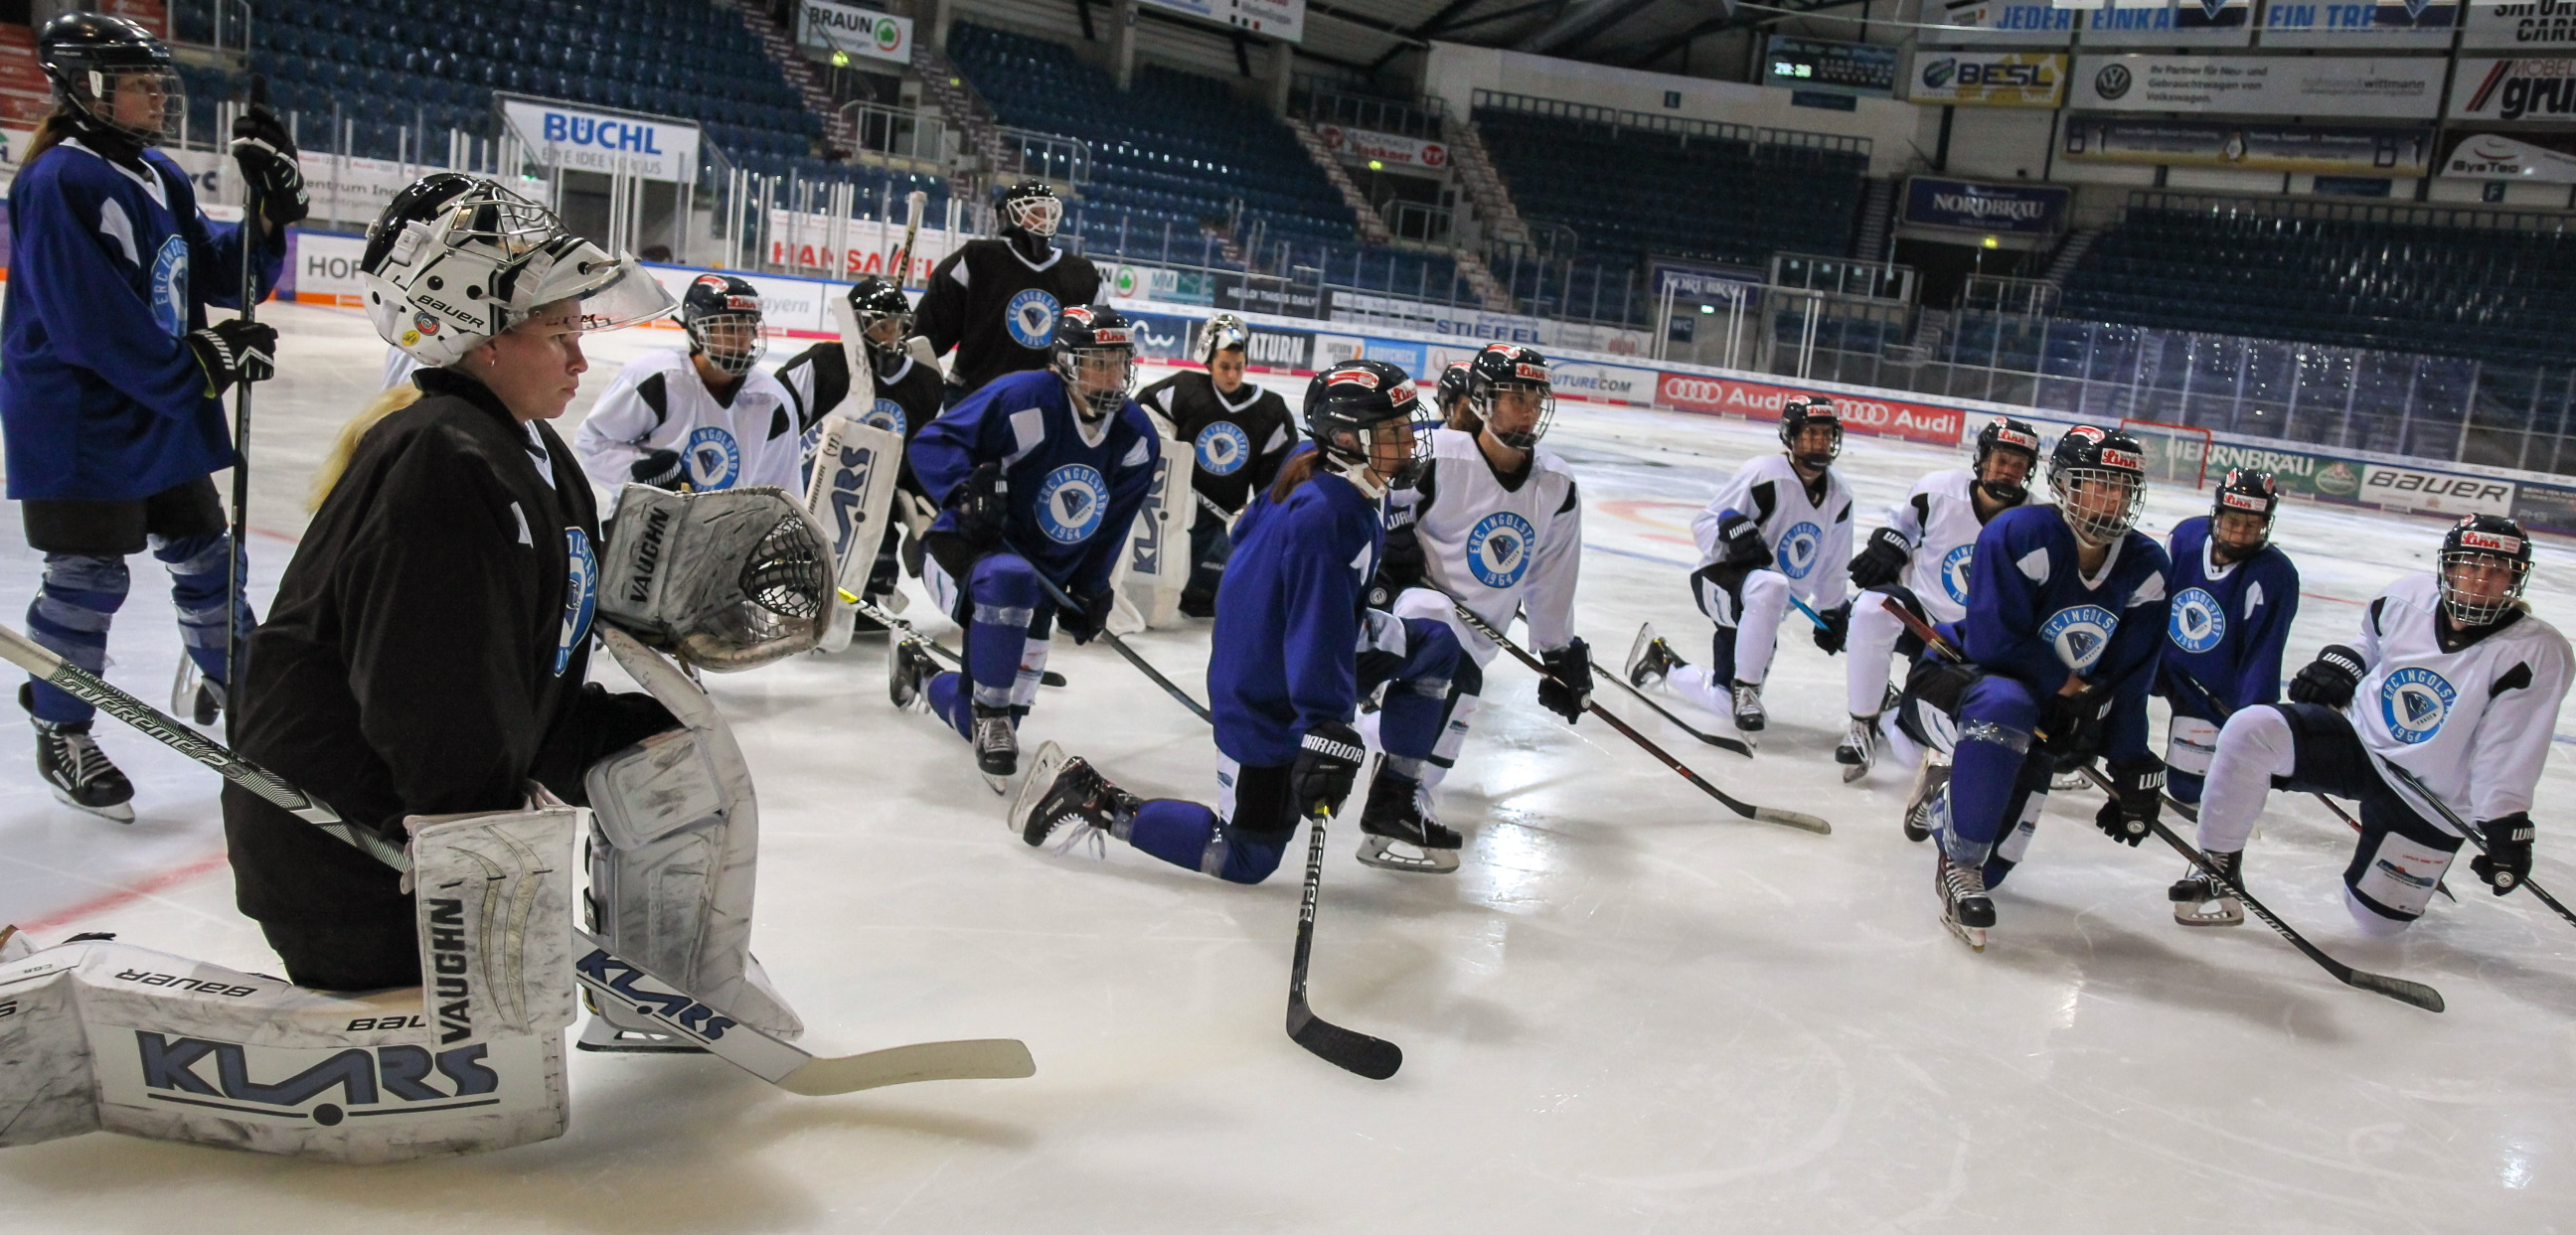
point(1399, 568)
point(266, 153)
point(660, 469)
point(2329, 679)
point(1837, 627)
point(2137, 789)
point(234, 351)
point(2507, 861)
point(1088, 617)
point(2070, 726)
point(981, 503)
point(1328, 763)
point(1739, 543)
point(1567, 688)
point(1883, 561)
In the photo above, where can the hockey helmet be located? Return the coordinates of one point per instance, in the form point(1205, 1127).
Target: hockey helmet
point(2245, 492)
point(1347, 402)
point(874, 302)
point(1096, 356)
point(1031, 206)
point(2088, 458)
point(2483, 541)
point(2006, 433)
point(1801, 411)
point(721, 312)
point(115, 78)
point(456, 259)
point(1499, 371)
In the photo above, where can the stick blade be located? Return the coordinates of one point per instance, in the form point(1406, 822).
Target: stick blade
point(976, 1059)
point(2399, 989)
point(1794, 819)
point(1347, 1049)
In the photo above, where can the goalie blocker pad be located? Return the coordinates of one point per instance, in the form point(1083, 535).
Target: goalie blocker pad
point(726, 580)
point(852, 496)
point(104, 1036)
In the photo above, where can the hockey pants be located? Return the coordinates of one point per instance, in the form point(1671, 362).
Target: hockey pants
point(1747, 606)
point(1008, 621)
point(2307, 748)
point(1875, 636)
point(82, 592)
point(1466, 685)
point(1242, 839)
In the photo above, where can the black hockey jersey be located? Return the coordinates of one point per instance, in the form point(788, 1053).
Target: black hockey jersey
point(1240, 441)
point(999, 309)
point(818, 382)
point(426, 650)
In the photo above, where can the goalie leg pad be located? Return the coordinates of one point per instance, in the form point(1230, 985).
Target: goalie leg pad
point(494, 896)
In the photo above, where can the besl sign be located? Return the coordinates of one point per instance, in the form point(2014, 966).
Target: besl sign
point(1988, 78)
point(858, 31)
point(579, 139)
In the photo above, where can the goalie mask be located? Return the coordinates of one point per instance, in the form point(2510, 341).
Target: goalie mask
point(883, 317)
point(1031, 206)
point(457, 259)
point(726, 580)
point(722, 315)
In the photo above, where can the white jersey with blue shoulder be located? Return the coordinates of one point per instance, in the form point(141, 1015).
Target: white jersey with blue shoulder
point(659, 402)
point(2473, 724)
point(1810, 538)
point(1939, 519)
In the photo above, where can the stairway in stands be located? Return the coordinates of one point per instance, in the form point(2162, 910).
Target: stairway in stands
point(1485, 187)
point(800, 73)
point(1877, 214)
point(2068, 254)
point(965, 111)
point(1372, 227)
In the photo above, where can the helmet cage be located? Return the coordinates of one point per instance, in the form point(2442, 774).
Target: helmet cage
point(482, 263)
point(1038, 214)
point(2094, 528)
point(732, 342)
point(2473, 546)
point(1069, 364)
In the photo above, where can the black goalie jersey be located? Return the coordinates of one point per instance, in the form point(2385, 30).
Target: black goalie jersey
point(998, 308)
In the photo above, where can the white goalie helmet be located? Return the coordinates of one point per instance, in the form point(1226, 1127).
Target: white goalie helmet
point(457, 259)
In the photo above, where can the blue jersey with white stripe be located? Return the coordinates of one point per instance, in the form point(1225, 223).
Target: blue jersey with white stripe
point(2229, 625)
point(2033, 615)
point(1071, 500)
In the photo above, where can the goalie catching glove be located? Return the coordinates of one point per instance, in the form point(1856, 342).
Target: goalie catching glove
point(726, 580)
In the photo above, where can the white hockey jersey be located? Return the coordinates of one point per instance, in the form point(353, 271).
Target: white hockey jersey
point(1499, 545)
point(658, 402)
point(2473, 724)
point(1939, 519)
point(1810, 541)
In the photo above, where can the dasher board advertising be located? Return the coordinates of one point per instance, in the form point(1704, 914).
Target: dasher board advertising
point(2540, 26)
point(2522, 88)
point(1988, 22)
point(2537, 156)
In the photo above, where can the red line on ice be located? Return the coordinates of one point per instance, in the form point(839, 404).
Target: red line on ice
point(127, 895)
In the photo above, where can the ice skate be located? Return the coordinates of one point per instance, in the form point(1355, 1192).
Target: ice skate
point(1749, 716)
point(1930, 778)
point(908, 670)
point(997, 746)
point(1066, 793)
point(194, 695)
point(1859, 750)
point(1965, 908)
point(80, 773)
point(2199, 900)
point(1394, 816)
point(1650, 659)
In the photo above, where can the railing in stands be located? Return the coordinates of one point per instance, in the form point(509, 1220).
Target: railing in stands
point(1681, 126)
point(1359, 111)
point(2355, 212)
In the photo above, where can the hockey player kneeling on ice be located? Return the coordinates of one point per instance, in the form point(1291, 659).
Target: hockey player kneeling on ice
point(878, 373)
point(1036, 474)
point(1920, 559)
point(2234, 596)
point(1498, 524)
point(2066, 612)
point(2453, 680)
point(1774, 531)
point(1283, 681)
point(702, 419)
point(1241, 434)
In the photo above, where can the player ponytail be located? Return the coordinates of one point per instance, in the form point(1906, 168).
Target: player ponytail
point(1299, 469)
point(50, 132)
point(393, 399)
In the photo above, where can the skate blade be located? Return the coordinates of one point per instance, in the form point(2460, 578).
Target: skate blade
point(118, 812)
point(1973, 936)
point(1916, 832)
point(1000, 785)
point(1394, 855)
point(599, 1035)
point(1854, 771)
point(2225, 911)
point(1043, 769)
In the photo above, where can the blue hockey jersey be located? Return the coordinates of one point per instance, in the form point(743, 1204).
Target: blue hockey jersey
point(109, 267)
point(2034, 616)
point(1284, 655)
point(1072, 499)
point(2229, 624)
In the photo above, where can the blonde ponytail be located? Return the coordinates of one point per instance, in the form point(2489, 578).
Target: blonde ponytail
point(394, 399)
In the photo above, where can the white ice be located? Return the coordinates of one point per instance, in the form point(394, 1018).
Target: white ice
point(1629, 1011)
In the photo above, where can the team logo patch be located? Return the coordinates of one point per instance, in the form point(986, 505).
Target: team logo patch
point(170, 286)
point(581, 596)
point(2199, 621)
point(1954, 572)
point(887, 415)
point(714, 459)
point(1030, 317)
point(1797, 552)
point(1070, 503)
point(2079, 634)
point(2414, 702)
point(1223, 448)
point(1498, 550)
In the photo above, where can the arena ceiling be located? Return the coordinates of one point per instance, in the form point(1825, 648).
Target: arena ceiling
point(1630, 33)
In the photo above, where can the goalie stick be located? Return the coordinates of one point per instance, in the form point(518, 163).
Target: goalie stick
point(907, 632)
point(1347, 1049)
point(901, 266)
point(1766, 814)
point(780, 1063)
point(2474, 837)
point(2415, 993)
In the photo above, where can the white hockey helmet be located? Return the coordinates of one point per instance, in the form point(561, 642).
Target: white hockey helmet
point(457, 259)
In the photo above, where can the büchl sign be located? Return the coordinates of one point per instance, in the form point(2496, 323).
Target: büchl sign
point(606, 143)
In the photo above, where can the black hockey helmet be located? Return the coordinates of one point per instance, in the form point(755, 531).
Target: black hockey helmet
point(1223, 333)
point(2006, 433)
point(88, 55)
point(721, 312)
point(1030, 206)
point(1095, 354)
point(2244, 492)
point(1511, 366)
point(873, 302)
point(2086, 456)
point(1804, 410)
point(1346, 403)
point(2484, 540)
point(1450, 398)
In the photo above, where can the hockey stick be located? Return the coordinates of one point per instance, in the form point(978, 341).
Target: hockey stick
point(2399, 989)
point(1766, 814)
point(907, 632)
point(2474, 837)
point(901, 267)
point(1347, 1049)
point(1063, 601)
point(605, 973)
point(235, 599)
point(1722, 743)
point(1812, 615)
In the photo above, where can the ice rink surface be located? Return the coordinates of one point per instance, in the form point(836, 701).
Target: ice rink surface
point(1629, 1011)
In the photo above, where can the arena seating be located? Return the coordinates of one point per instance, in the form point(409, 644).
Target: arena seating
point(2490, 294)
